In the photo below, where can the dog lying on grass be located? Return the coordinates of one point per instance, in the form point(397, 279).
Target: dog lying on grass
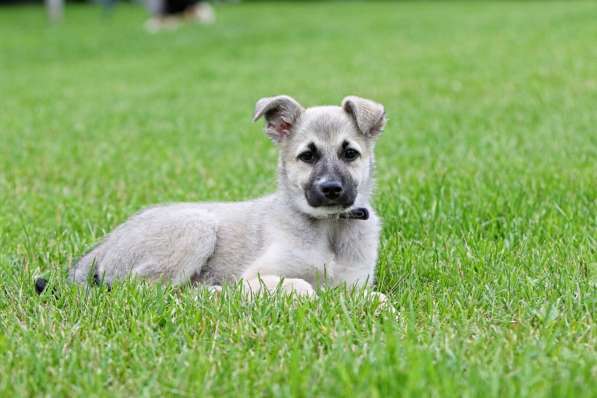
point(318, 228)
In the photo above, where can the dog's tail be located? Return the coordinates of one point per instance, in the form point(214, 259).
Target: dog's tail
point(82, 271)
point(40, 285)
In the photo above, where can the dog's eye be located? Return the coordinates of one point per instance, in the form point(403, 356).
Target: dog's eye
point(350, 154)
point(307, 157)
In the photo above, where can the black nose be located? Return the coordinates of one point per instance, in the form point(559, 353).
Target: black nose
point(331, 189)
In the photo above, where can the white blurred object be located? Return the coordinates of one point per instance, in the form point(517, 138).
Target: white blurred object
point(204, 13)
point(156, 24)
point(55, 10)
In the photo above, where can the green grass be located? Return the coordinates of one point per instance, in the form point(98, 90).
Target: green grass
point(487, 184)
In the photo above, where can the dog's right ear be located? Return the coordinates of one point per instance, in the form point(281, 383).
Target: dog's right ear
point(280, 112)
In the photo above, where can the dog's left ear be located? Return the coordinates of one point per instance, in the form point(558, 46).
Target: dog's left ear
point(369, 116)
point(280, 112)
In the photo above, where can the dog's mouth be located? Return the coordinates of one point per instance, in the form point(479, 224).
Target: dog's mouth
point(335, 205)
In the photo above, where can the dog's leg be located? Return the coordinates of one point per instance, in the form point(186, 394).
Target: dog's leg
point(167, 244)
point(183, 253)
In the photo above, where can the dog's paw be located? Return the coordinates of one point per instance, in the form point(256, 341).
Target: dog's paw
point(254, 286)
point(215, 289)
point(271, 283)
point(299, 287)
point(383, 303)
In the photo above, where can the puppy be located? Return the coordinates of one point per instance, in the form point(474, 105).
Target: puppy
point(317, 228)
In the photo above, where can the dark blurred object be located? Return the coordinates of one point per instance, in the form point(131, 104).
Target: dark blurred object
point(163, 8)
point(173, 7)
point(168, 14)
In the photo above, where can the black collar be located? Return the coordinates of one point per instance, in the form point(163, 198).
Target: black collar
point(360, 213)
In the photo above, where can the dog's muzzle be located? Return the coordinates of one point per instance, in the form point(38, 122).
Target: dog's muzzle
point(330, 193)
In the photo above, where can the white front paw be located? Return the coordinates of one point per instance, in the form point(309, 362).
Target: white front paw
point(378, 296)
point(256, 285)
point(214, 289)
point(384, 302)
point(300, 287)
point(271, 283)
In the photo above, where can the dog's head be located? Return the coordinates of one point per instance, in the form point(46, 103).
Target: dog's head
point(326, 152)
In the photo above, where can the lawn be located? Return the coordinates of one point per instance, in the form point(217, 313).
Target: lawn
point(486, 175)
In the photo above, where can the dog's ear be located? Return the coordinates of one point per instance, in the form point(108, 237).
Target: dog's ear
point(280, 112)
point(369, 116)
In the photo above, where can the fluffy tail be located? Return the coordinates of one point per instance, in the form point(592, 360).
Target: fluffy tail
point(81, 272)
point(40, 285)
